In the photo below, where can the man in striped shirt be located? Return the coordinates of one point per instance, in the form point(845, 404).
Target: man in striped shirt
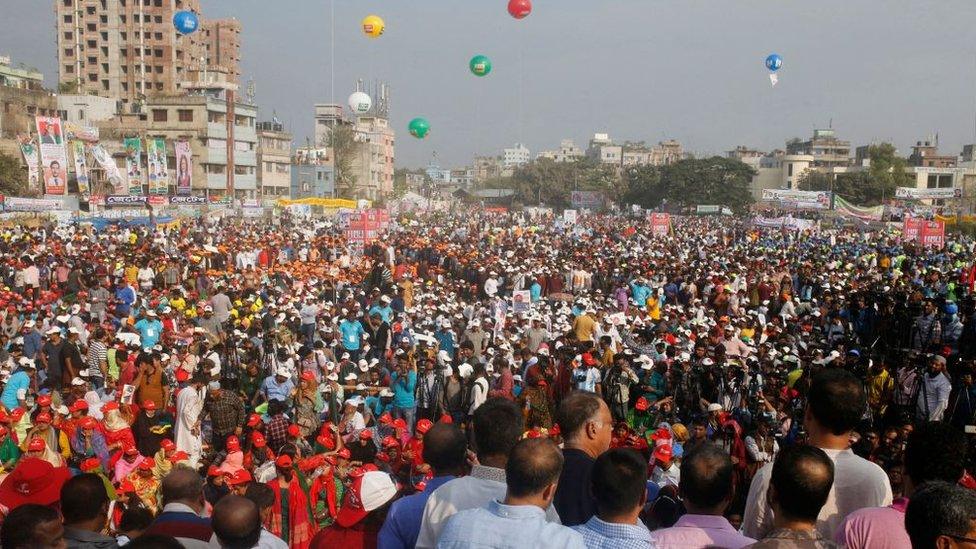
point(97, 359)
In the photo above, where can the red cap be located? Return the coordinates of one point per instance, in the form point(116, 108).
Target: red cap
point(33, 480)
point(16, 414)
point(3, 430)
point(131, 450)
point(386, 418)
point(148, 405)
point(43, 417)
point(424, 425)
point(325, 440)
point(344, 453)
point(390, 442)
point(167, 444)
point(369, 490)
point(555, 431)
point(312, 463)
point(399, 423)
point(90, 464)
point(36, 444)
point(147, 463)
point(663, 453)
point(383, 457)
point(240, 476)
point(78, 405)
point(88, 422)
point(661, 434)
point(182, 375)
point(213, 471)
point(588, 359)
point(365, 434)
point(126, 487)
point(284, 461)
point(446, 418)
point(258, 440)
point(233, 444)
point(253, 420)
point(109, 406)
point(44, 400)
point(178, 456)
point(293, 430)
point(308, 375)
point(642, 404)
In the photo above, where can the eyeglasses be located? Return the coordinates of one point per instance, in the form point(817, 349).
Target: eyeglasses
point(960, 538)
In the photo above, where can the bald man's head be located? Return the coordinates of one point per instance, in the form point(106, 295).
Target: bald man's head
point(533, 465)
point(237, 522)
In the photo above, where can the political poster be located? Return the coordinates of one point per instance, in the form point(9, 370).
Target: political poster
point(660, 224)
point(29, 149)
point(932, 234)
point(74, 131)
point(569, 216)
point(111, 169)
point(15, 204)
point(864, 213)
point(133, 165)
point(184, 168)
point(156, 164)
point(912, 193)
point(81, 166)
point(54, 157)
point(589, 200)
point(521, 301)
point(911, 228)
point(811, 200)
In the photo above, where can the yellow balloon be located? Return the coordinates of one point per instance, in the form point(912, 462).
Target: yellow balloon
point(373, 26)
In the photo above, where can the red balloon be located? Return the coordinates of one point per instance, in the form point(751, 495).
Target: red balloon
point(519, 9)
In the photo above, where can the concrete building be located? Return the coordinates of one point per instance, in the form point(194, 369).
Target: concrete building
point(86, 109)
point(312, 181)
point(567, 152)
point(746, 155)
point(221, 43)
point(486, 167)
point(274, 161)
point(516, 156)
point(125, 50)
point(925, 154)
point(602, 149)
point(220, 129)
point(827, 150)
point(22, 97)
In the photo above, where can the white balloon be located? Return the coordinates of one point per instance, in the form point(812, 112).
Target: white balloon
point(360, 103)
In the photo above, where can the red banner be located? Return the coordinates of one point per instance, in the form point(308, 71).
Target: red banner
point(911, 228)
point(932, 234)
point(660, 224)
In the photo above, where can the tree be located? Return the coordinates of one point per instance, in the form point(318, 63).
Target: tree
point(865, 187)
point(715, 180)
point(342, 141)
point(13, 176)
point(643, 186)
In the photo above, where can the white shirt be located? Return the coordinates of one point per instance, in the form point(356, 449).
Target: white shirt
point(858, 483)
point(485, 484)
point(933, 398)
point(491, 287)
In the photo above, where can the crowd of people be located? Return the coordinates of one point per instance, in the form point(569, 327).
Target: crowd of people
point(489, 380)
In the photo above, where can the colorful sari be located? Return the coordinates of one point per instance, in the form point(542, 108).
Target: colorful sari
point(291, 514)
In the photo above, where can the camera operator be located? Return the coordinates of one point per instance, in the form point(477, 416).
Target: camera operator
point(617, 383)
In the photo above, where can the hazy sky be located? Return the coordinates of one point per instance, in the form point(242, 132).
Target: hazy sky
point(648, 70)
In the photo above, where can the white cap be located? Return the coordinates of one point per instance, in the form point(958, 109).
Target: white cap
point(465, 370)
point(282, 372)
point(714, 407)
point(151, 312)
point(77, 381)
point(53, 331)
point(376, 489)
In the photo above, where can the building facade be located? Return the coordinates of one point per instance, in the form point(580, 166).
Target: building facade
point(567, 152)
point(515, 156)
point(221, 45)
point(22, 97)
point(827, 150)
point(126, 50)
point(312, 181)
point(925, 154)
point(274, 161)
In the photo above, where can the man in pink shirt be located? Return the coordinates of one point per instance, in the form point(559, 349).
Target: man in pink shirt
point(706, 488)
point(935, 451)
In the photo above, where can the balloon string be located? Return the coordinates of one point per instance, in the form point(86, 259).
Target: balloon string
point(521, 86)
point(332, 52)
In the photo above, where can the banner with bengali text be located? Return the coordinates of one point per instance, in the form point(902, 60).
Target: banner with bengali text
point(54, 156)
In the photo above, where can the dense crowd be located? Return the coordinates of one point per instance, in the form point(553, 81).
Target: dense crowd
point(490, 380)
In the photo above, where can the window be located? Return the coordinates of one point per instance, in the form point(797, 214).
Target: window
point(69, 52)
point(160, 115)
point(790, 171)
point(68, 19)
point(67, 36)
point(158, 52)
point(70, 69)
point(186, 115)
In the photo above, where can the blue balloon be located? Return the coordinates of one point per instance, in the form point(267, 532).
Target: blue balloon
point(774, 62)
point(186, 22)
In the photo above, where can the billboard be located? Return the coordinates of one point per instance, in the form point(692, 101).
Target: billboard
point(156, 164)
point(81, 166)
point(133, 165)
point(813, 200)
point(184, 168)
point(54, 157)
point(912, 193)
point(587, 200)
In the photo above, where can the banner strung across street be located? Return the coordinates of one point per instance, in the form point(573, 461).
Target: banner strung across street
point(29, 149)
point(156, 163)
point(864, 213)
point(112, 173)
point(184, 168)
point(81, 166)
point(928, 194)
point(54, 157)
point(813, 200)
point(133, 165)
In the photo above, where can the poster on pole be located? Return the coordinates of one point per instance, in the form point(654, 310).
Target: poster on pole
point(569, 216)
point(111, 169)
point(521, 301)
point(156, 164)
point(660, 224)
point(133, 165)
point(932, 234)
point(81, 166)
point(54, 157)
point(184, 168)
point(29, 149)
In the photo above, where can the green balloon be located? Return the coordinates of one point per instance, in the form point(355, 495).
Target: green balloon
point(480, 65)
point(419, 128)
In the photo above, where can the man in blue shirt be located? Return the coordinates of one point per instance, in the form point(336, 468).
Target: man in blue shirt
point(445, 338)
point(33, 339)
point(404, 384)
point(150, 329)
point(125, 296)
point(15, 391)
point(617, 483)
point(445, 452)
point(519, 520)
point(352, 332)
point(383, 309)
point(278, 387)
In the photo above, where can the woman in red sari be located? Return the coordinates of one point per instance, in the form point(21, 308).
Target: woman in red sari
point(291, 516)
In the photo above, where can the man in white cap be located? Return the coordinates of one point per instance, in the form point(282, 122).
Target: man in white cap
point(15, 390)
point(51, 361)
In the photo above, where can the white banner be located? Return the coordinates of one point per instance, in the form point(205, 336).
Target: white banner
point(927, 194)
point(819, 200)
point(15, 204)
point(112, 173)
